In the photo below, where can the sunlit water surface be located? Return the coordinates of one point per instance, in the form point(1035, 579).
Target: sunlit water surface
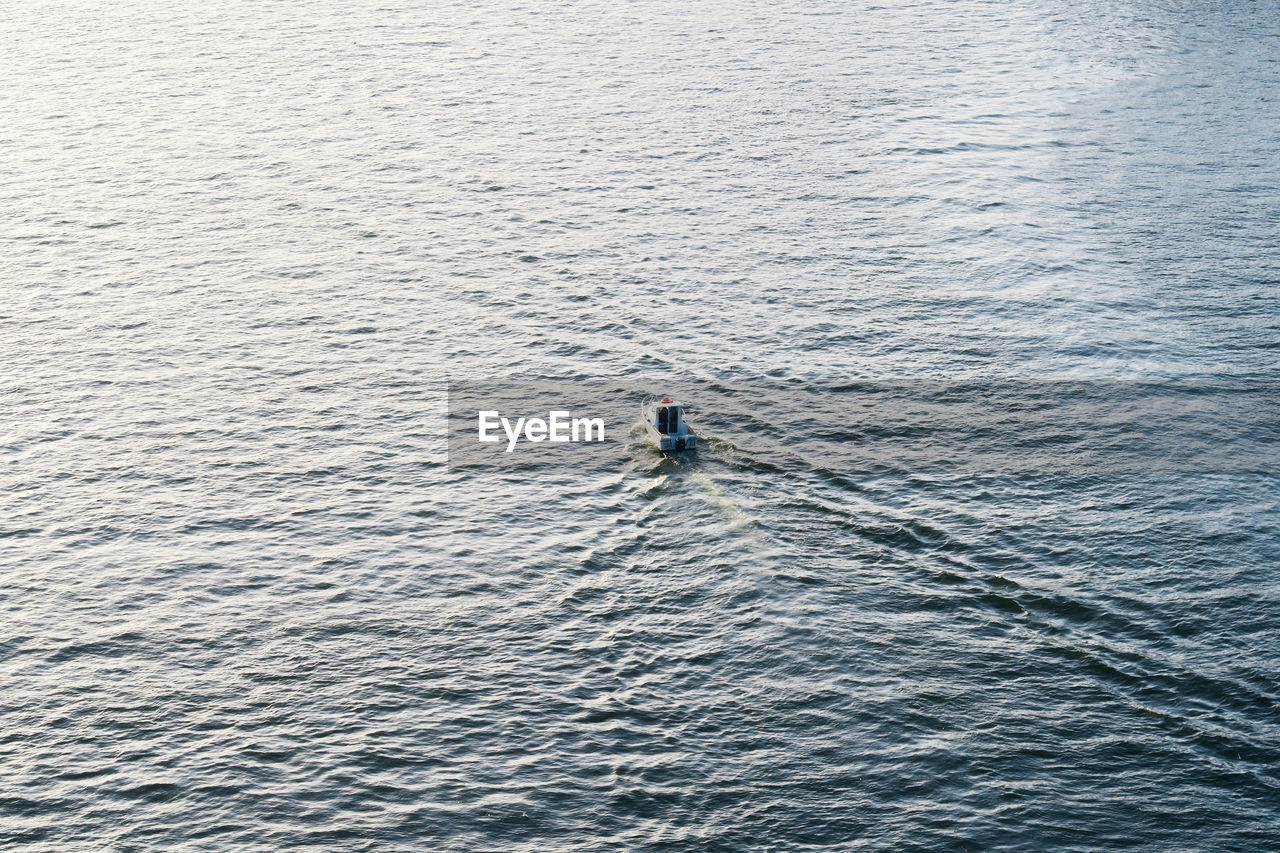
point(246, 603)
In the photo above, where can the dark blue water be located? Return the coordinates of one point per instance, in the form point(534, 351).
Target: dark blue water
point(248, 603)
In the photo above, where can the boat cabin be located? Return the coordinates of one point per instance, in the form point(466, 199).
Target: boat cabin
point(669, 417)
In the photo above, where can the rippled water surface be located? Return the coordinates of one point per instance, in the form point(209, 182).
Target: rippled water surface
point(247, 604)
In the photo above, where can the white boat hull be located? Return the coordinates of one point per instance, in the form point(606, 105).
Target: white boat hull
point(674, 443)
point(666, 427)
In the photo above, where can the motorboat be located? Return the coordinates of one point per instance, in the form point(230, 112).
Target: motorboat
point(664, 422)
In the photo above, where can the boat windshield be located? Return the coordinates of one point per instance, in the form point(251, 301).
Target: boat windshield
point(668, 420)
